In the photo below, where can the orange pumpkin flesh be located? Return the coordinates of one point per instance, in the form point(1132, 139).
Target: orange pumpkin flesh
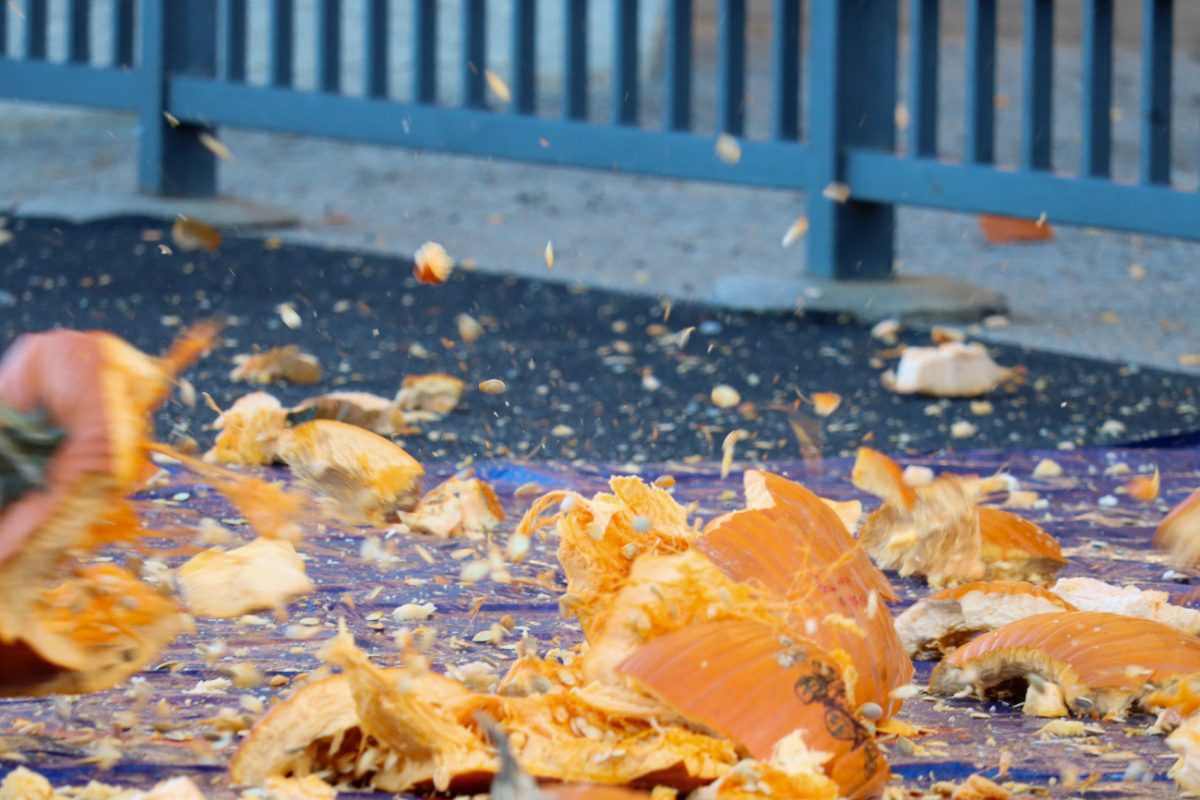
point(421, 730)
point(88, 633)
point(457, 507)
point(376, 414)
point(1087, 661)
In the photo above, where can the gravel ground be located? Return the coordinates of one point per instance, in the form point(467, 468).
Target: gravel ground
point(590, 373)
point(669, 239)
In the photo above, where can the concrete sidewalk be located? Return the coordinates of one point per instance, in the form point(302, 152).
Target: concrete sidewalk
point(1081, 294)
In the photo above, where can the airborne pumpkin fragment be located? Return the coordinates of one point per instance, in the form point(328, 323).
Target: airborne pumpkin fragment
point(367, 477)
point(937, 531)
point(436, 392)
point(262, 575)
point(458, 507)
point(287, 364)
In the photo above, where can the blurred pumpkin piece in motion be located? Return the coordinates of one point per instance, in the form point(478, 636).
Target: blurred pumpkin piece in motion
point(287, 364)
point(367, 477)
point(75, 441)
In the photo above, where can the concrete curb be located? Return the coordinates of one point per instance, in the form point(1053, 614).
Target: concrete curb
point(913, 299)
point(224, 212)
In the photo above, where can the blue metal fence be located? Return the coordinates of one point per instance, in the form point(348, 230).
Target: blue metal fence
point(182, 66)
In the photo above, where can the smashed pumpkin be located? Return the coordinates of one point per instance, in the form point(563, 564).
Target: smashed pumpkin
point(940, 622)
point(937, 531)
point(1089, 662)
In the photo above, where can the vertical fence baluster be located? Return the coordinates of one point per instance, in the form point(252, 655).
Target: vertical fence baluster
point(1037, 82)
point(1096, 146)
point(424, 87)
point(852, 104)
point(524, 56)
point(677, 67)
point(575, 50)
point(981, 81)
point(785, 70)
point(233, 35)
point(79, 16)
point(35, 29)
point(178, 37)
point(923, 78)
point(474, 52)
point(281, 43)
point(329, 45)
point(625, 62)
point(375, 51)
point(122, 33)
point(731, 66)
point(1157, 24)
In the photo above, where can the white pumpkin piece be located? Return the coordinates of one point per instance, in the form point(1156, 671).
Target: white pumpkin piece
point(1089, 594)
point(951, 369)
point(1185, 742)
point(287, 364)
point(436, 392)
point(265, 574)
point(249, 431)
point(1088, 662)
point(944, 620)
point(362, 409)
point(457, 507)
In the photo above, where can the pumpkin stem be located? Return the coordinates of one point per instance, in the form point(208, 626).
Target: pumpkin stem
point(27, 442)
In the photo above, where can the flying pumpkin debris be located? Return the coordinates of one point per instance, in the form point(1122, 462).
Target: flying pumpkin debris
point(432, 265)
point(287, 364)
point(937, 530)
point(75, 423)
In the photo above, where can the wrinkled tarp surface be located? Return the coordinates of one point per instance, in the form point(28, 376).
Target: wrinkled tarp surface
point(1110, 542)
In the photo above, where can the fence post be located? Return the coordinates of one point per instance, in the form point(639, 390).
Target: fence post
point(178, 37)
point(852, 103)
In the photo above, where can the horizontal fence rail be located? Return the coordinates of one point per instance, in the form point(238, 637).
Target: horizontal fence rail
point(487, 78)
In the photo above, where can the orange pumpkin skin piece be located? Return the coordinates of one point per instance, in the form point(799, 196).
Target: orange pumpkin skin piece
point(750, 683)
point(799, 550)
point(1110, 659)
point(1014, 547)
